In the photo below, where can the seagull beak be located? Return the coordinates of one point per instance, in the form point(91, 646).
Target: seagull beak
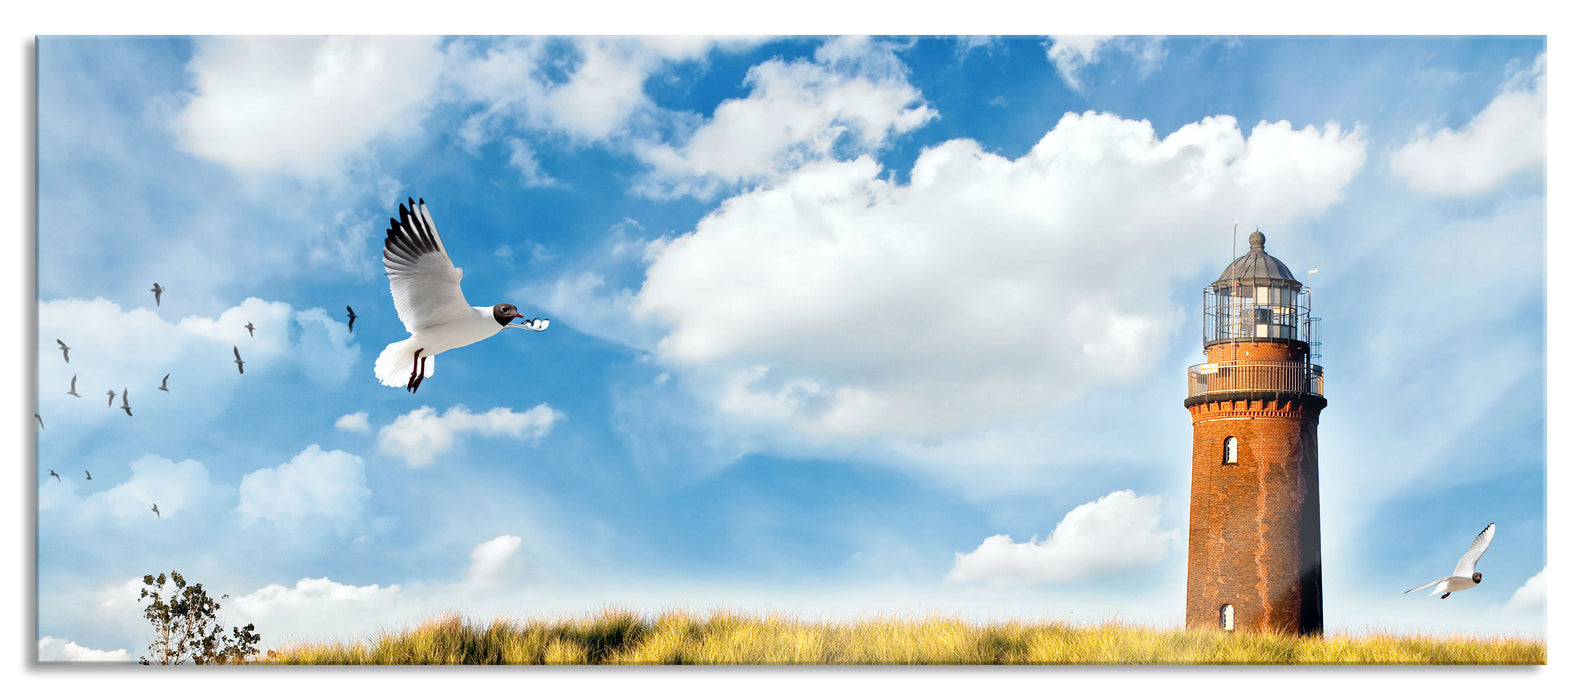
point(520, 316)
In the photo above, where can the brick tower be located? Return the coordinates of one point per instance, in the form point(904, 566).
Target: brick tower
point(1253, 546)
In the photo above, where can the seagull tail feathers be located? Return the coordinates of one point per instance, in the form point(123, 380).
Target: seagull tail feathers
point(394, 364)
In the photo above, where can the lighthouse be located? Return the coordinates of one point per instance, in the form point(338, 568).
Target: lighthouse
point(1253, 560)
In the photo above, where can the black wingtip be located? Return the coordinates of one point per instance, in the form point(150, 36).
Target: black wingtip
point(409, 202)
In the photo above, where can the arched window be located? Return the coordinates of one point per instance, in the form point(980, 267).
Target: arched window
point(1230, 450)
point(1227, 617)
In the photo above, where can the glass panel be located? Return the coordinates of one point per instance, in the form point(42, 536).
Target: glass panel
point(1263, 295)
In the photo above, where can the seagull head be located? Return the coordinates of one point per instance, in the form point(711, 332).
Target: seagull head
point(1477, 577)
point(505, 313)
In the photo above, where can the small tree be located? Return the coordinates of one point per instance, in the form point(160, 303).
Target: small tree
point(185, 628)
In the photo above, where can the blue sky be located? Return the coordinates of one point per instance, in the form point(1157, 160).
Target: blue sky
point(840, 326)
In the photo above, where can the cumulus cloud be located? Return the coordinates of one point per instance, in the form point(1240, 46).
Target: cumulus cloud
point(52, 649)
point(353, 422)
point(319, 608)
point(1507, 137)
point(329, 484)
point(423, 435)
point(304, 105)
point(840, 305)
point(851, 98)
point(1117, 533)
point(1533, 595)
point(491, 559)
point(175, 486)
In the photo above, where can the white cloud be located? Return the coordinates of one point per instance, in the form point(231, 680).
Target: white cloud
point(525, 162)
point(1071, 54)
point(986, 290)
point(1117, 533)
point(1509, 136)
point(52, 649)
point(330, 484)
point(133, 349)
point(590, 88)
point(174, 486)
point(304, 105)
point(852, 97)
point(353, 422)
point(1534, 594)
point(318, 609)
point(490, 559)
point(423, 435)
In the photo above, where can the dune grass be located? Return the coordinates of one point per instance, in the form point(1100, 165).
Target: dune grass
point(618, 636)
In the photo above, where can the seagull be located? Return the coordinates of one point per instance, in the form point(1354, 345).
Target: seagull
point(73, 391)
point(156, 510)
point(111, 402)
point(249, 328)
point(238, 355)
point(57, 476)
point(163, 382)
point(40, 420)
point(89, 473)
point(157, 290)
point(426, 287)
point(1464, 577)
point(64, 351)
point(351, 317)
point(124, 405)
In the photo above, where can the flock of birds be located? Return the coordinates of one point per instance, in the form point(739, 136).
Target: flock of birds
point(426, 287)
point(164, 383)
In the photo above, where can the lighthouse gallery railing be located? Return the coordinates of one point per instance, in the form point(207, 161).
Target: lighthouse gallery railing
point(1237, 376)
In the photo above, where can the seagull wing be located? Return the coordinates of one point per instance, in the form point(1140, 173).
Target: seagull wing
point(425, 284)
point(1480, 544)
point(1434, 582)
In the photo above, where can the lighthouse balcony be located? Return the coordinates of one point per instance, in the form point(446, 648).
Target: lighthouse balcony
point(1250, 376)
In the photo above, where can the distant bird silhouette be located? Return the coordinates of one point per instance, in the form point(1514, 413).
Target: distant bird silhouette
point(57, 476)
point(238, 355)
point(64, 351)
point(157, 290)
point(40, 420)
point(89, 473)
point(124, 405)
point(351, 317)
point(163, 382)
point(73, 391)
point(111, 402)
point(249, 328)
point(156, 510)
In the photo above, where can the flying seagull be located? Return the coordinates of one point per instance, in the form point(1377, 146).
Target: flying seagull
point(1464, 577)
point(89, 473)
point(111, 402)
point(156, 510)
point(64, 351)
point(157, 290)
point(427, 291)
point(40, 420)
point(163, 382)
point(73, 391)
point(351, 317)
point(124, 405)
point(238, 355)
point(249, 328)
point(57, 476)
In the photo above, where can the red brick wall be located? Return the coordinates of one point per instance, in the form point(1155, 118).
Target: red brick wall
point(1253, 539)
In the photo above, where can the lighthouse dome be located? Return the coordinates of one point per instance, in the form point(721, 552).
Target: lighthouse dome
point(1257, 267)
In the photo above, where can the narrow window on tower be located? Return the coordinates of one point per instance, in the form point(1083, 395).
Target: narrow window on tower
point(1227, 617)
point(1230, 450)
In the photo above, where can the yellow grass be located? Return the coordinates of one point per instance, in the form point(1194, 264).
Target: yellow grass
point(621, 637)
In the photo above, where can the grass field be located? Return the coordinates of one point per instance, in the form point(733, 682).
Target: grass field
point(622, 637)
